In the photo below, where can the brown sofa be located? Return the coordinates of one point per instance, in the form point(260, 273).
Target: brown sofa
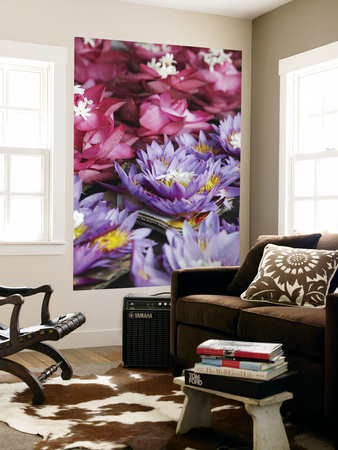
point(206, 303)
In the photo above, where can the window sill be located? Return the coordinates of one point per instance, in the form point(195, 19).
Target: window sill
point(33, 248)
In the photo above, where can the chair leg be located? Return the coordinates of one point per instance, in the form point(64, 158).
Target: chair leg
point(25, 375)
point(48, 350)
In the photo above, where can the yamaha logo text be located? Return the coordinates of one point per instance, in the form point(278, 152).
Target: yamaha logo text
point(140, 315)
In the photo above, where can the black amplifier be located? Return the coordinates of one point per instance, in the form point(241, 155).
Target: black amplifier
point(146, 330)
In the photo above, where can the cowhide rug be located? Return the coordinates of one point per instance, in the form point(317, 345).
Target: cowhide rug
point(126, 408)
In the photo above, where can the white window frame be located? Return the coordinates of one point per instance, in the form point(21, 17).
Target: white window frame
point(321, 56)
point(57, 58)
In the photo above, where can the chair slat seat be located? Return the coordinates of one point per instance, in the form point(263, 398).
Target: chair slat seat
point(53, 330)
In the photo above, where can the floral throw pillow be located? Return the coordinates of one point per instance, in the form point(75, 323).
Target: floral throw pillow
point(293, 276)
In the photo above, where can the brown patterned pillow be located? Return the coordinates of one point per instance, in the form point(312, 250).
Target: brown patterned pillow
point(293, 276)
point(248, 269)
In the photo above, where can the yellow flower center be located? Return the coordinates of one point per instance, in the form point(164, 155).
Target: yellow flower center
point(112, 240)
point(143, 275)
point(167, 182)
point(164, 161)
point(193, 220)
point(78, 231)
point(204, 148)
point(213, 180)
point(203, 244)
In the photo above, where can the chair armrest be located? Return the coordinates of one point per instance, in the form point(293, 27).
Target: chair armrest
point(331, 356)
point(46, 289)
point(5, 291)
point(14, 328)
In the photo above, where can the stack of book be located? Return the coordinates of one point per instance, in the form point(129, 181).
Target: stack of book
point(256, 360)
point(241, 368)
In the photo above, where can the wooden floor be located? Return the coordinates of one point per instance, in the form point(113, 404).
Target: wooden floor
point(33, 360)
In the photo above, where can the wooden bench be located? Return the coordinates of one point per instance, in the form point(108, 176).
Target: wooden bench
point(268, 428)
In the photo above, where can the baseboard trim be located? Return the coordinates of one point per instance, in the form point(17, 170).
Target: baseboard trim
point(95, 338)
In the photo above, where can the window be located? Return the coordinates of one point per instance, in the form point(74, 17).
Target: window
point(308, 187)
point(32, 148)
point(24, 153)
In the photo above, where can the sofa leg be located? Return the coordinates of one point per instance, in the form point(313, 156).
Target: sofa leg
point(177, 369)
point(333, 428)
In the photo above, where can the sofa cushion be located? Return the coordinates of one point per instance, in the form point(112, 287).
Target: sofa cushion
point(249, 268)
point(301, 330)
point(329, 241)
point(293, 276)
point(219, 312)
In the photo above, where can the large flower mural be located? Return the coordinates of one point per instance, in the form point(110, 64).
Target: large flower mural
point(157, 145)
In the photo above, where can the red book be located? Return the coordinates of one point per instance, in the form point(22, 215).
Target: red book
point(239, 349)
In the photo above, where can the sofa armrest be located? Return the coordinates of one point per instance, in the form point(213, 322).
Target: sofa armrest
point(331, 356)
point(196, 280)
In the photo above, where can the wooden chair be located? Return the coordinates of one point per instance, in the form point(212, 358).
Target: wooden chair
point(13, 339)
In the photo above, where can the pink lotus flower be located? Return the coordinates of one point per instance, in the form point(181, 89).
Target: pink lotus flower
point(182, 85)
point(97, 142)
point(96, 62)
point(161, 115)
point(221, 92)
point(99, 151)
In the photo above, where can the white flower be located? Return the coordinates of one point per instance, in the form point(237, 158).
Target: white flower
point(78, 89)
point(179, 177)
point(168, 59)
point(89, 41)
point(82, 110)
point(235, 139)
point(171, 70)
point(155, 48)
point(215, 56)
point(154, 65)
point(164, 66)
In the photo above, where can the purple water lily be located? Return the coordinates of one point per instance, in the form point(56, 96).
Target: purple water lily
point(88, 257)
point(204, 148)
point(174, 183)
point(229, 135)
point(230, 227)
point(103, 234)
point(210, 245)
point(147, 269)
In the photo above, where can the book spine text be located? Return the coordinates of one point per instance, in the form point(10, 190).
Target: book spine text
point(231, 372)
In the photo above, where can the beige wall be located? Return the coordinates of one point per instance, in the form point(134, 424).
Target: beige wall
point(57, 23)
point(296, 27)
